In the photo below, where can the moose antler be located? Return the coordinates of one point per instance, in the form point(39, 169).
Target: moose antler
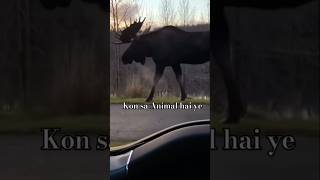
point(130, 32)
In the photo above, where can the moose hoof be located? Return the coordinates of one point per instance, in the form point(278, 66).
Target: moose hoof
point(183, 98)
point(149, 100)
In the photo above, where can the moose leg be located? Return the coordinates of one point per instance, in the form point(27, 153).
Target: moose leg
point(221, 55)
point(157, 76)
point(177, 70)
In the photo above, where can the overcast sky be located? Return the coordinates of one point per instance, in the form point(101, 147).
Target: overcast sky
point(152, 10)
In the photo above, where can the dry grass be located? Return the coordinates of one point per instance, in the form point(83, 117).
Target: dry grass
point(135, 89)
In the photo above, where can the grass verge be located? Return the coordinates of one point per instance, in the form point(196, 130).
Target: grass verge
point(25, 123)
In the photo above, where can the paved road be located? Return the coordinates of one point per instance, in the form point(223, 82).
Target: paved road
point(126, 125)
point(21, 157)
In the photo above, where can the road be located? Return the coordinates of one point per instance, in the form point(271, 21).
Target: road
point(21, 157)
point(127, 125)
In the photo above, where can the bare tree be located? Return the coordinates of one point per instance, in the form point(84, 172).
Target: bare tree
point(184, 12)
point(204, 17)
point(167, 12)
point(25, 47)
point(121, 11)
point(113, 14)
point(147, 12)
point(185, 16)
point(208, 11)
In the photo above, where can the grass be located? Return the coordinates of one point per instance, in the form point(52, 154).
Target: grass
point(167, 100)
point(28, 123)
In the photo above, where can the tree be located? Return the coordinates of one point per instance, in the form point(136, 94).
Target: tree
point(184, 12)
point(167, 12)
point(114, 14)
point(121, 11)
point(25, 31)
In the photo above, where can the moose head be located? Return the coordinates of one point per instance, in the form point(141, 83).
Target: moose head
point(137, 49)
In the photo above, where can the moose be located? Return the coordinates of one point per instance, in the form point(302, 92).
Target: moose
point(168, 47)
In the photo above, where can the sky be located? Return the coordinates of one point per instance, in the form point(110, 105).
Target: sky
point(200, 8)
point(151, 9)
